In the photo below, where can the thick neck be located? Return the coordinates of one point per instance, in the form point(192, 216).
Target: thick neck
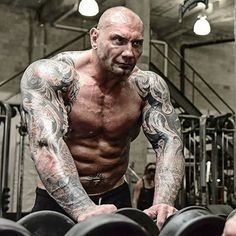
point(103, 77)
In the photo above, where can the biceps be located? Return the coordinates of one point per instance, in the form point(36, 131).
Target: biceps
point(160, 127)
point(46, 120)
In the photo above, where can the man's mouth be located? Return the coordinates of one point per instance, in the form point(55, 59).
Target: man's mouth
point(125, 65)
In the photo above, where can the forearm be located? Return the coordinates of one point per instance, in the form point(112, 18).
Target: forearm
point(60, 177)
point(69, 194)
point(169, 175)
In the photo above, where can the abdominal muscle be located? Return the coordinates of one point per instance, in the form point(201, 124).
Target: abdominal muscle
point(101, 164)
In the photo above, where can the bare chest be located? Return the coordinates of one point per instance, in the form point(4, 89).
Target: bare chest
point(96, 112)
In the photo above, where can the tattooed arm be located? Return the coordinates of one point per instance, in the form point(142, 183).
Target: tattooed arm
point(162, 128)
point(42, 86)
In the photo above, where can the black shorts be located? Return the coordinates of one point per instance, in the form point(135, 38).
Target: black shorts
point(119, 196)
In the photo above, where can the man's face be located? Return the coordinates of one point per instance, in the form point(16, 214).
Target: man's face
point(119, 46)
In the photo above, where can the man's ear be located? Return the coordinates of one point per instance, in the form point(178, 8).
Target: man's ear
point(93, 37)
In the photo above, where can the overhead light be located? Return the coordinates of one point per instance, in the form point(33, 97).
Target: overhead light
point(202, 26)
point(88, 8)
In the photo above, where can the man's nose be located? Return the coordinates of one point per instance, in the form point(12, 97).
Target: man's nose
point(128, 51)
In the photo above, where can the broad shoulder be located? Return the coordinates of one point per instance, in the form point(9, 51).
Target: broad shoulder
point(147, 76)
point(75, 59)
point(147, 82)
point(51, 72)
point(59, 63)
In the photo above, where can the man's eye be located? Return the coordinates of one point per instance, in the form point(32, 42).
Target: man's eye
point(119, 40)
point(137, 44)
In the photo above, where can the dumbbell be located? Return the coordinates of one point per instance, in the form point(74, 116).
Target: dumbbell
point(189, 221)
point(231, 214)
point(141, 218)
point(220, 209)
point(11, 228)
point(193, 221)
point(126, 221)
point(107, 225)
point(46, 223)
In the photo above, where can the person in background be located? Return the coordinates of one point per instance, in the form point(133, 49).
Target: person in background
point(144, 188)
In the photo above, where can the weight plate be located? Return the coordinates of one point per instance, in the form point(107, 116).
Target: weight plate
point(11, 228)
point(107, 225)
point(141, 218)
point(47, 223)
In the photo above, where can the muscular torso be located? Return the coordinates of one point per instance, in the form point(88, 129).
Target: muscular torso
point(101, 126)
point(103, 116)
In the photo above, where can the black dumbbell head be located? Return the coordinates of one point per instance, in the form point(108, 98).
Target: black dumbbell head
point(47, 223)
point(11, 228)
point(107, 225)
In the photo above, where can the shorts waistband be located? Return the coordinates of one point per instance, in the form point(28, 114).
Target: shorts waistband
point(118, 189)
point(42, 192)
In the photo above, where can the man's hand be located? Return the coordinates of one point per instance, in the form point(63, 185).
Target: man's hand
point(230, 227)
point(97, 210)
point(160, 212)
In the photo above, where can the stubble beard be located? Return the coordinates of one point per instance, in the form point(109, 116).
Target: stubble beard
point(113, 68)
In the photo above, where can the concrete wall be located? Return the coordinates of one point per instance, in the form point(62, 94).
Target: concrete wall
point(215, 64)
point(23, 40)
point(14, 42)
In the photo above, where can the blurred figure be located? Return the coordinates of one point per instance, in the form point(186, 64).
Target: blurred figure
point(144, 188)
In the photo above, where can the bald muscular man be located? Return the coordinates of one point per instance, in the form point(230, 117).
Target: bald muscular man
point(83, 109)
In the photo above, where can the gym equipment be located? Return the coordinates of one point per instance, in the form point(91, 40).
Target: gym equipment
point(46, 223)
point(107, 225)
point(11, 228)
point(141, 218)
point(5, 118)
point(5, 199)
point(22, 131)
point(210, 161)
point(231, 214)
point(193, 221)
point(220, 209)
point(189, 221)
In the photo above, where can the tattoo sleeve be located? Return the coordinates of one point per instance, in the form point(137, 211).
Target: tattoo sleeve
point(162, 128)
point(42, 87)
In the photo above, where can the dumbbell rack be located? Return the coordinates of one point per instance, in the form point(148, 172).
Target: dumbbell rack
point(5, 119)
point(210, 144)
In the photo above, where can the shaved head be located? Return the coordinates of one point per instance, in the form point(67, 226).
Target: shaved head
point(119, 15)
point(117, 41)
